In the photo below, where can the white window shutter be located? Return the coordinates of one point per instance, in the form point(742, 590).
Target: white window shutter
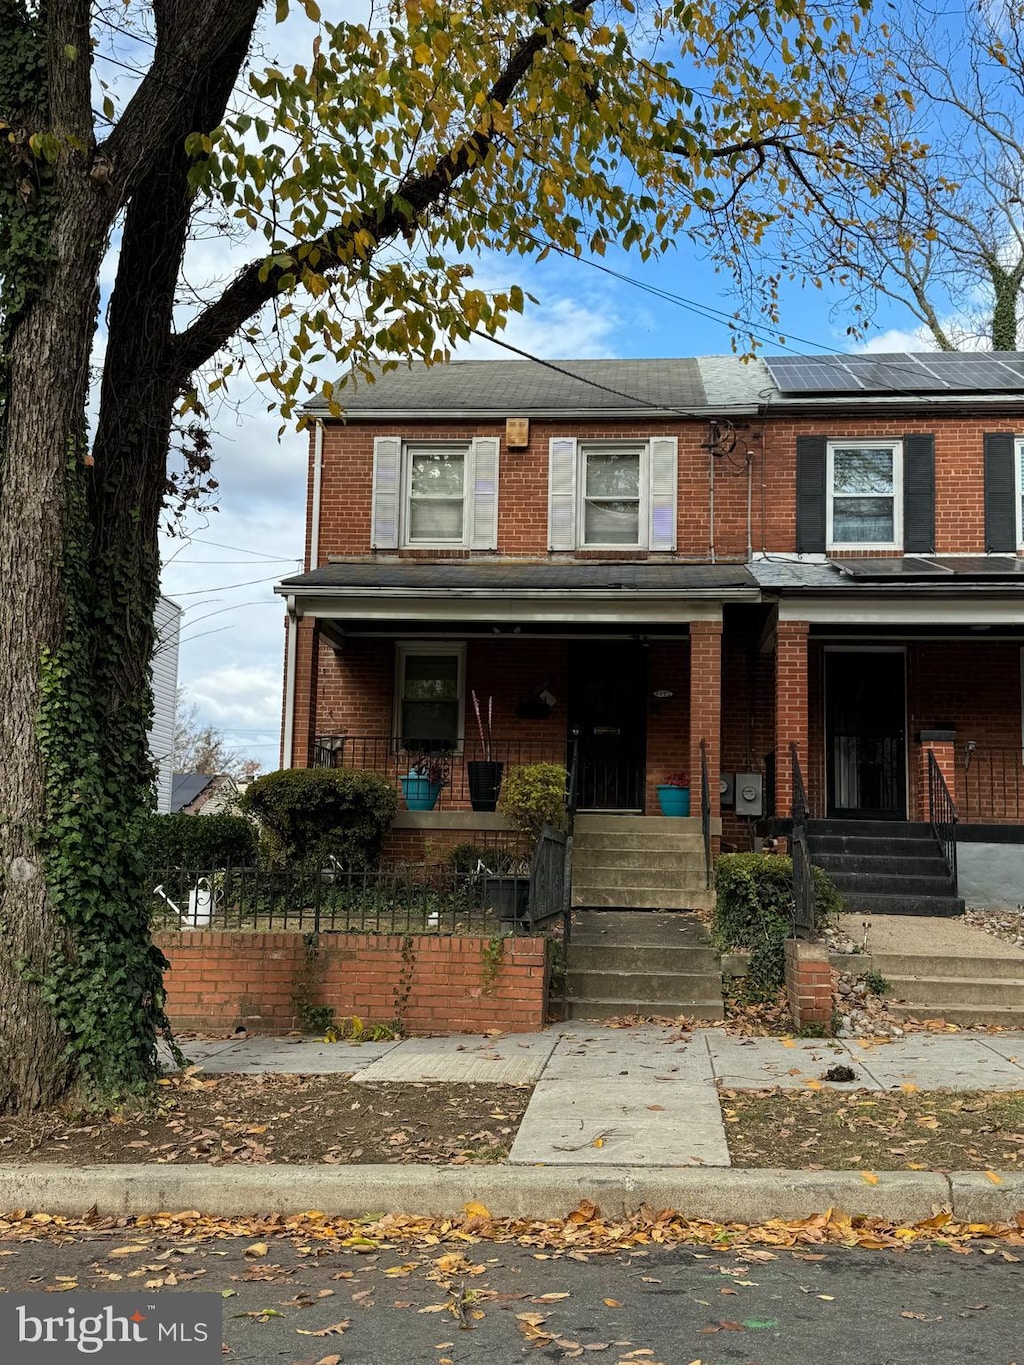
point(484, 507)
point(387, 483)
point(562, 493)
point(663, 462)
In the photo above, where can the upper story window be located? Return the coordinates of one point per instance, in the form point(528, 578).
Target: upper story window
point(1018, 498)
point(435, 494)
point(612, 495)
point(864, 485)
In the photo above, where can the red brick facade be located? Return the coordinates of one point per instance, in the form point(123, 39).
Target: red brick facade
point(429, 984)
point(747, 680)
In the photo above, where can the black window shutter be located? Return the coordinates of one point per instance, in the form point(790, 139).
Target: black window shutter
point(1000, 513)
point(919, 494)
point(810, 494)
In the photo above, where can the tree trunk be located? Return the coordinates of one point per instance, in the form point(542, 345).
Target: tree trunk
point(47, 387)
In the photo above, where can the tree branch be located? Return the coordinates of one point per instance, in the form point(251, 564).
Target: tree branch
point(400, 210)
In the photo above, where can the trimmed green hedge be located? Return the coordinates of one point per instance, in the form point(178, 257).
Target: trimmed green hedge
point(533, 796)
point(199, 841)
point(754, 909)
point(313, 812)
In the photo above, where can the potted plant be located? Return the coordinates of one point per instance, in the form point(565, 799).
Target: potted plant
point(674, 794)
point(484, 774)
point(422, 784)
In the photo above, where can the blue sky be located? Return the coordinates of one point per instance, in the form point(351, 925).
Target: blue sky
point(223, 572)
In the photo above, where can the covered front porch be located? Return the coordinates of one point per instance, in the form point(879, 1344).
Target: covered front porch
point(617, 667)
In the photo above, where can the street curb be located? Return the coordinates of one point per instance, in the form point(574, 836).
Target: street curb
point(721, 1195)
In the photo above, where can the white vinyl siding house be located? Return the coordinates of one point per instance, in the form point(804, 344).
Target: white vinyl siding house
point(167, 624)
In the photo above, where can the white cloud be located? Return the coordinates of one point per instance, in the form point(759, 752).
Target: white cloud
point(236, 697)
point(896, 339)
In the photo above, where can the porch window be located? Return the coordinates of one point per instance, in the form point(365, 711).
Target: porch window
point(864, 511)
point(428, 704)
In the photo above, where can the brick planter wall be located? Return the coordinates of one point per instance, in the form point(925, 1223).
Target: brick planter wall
point(808, 983)
point(219, 980)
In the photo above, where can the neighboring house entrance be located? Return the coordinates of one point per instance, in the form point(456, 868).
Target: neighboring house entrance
point(608, 703)
point(865, 733)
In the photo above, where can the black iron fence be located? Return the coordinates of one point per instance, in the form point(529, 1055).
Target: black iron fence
point(803, 873)
point(468, 775)
point(990, 784)
point(547, 877)
point(492, 898)
point(942, 815)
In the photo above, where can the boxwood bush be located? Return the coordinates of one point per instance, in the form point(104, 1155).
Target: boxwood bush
point(534, 796)
point(754, 909)
point(308, 813)
point(199, 841)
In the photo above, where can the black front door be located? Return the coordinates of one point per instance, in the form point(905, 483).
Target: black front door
point(866, 752)
point(608, 705)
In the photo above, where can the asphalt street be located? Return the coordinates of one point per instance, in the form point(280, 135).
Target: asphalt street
point(465, 1304)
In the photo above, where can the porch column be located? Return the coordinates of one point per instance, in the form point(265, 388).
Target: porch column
point(790, 708)
point(941, 743)
point(705, 709)
point(307, 668)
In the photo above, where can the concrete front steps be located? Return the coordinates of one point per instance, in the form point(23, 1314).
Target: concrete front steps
point(884, 867)
point(639, 862)
point(638, 962)
point(942, 969)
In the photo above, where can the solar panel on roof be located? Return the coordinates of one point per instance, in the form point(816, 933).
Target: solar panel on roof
point(907, 567)
point(917, 372)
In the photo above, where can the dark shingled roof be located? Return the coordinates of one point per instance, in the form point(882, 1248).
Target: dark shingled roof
point(523, 387)
point(511, 576)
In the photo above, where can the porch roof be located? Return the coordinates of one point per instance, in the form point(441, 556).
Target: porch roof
point(945, 575)
point(528, 590)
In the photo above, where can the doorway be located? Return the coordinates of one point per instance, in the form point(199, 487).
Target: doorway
point(608, 705)
point(865, 733)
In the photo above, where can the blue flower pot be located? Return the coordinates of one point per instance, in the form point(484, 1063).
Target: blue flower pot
point(419, 792)
point(674, 800)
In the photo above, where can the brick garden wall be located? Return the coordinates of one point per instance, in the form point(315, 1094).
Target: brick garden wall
point(220, 980)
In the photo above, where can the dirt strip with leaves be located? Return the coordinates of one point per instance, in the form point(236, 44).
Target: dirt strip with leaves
point(267, 1118)
point(815, 1129)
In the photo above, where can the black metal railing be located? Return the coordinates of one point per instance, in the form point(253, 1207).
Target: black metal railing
point(705, 812)
point(411, 899)
point(547, 878)
point(942, 815)
point(990, 784)
point(395, 759)
point(803, 874)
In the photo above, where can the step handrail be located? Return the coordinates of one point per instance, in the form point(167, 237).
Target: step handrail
point(803, 873)
point(943, 817)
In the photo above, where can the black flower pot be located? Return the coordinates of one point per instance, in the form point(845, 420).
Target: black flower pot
point(484, 784)
point(508, 898)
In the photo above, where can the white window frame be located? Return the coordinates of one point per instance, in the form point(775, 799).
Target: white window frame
point(462, 543)
point(897, 493)
point(1018, 488)
point(404, 649)
point(643, 448)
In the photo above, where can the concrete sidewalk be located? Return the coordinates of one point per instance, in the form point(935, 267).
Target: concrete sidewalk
point(647, 1097)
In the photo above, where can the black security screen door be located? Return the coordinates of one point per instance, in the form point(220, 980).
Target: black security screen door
point(865, 711)
point(608, 703)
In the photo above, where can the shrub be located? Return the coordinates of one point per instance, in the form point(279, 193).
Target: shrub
point(754, 909)
point(314, 812)
point(534, 796)
point(198, 841)
point(465, 859)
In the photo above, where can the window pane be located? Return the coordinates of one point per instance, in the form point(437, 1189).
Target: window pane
point(435, 519)
point(438, 472)
point(431, 677)
point(430, 701)
point(612, 523)
point(613, 473)
point(862, 470)
point(862, 521)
